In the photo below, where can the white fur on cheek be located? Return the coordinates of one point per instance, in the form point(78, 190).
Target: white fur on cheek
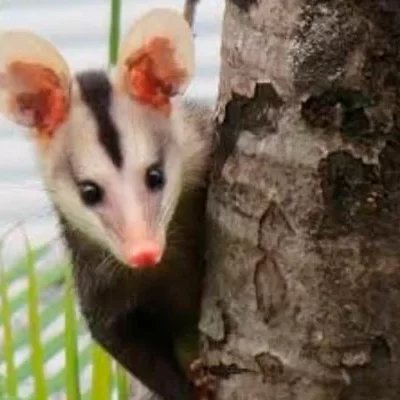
point(79, 215)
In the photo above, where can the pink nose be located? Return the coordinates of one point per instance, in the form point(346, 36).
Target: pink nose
point(145, 254)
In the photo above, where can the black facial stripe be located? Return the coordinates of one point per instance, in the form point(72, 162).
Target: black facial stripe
point(96, 93)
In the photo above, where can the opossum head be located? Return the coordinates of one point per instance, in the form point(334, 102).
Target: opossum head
point(116, 153)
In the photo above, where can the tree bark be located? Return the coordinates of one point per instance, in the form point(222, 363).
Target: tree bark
point(302, 295)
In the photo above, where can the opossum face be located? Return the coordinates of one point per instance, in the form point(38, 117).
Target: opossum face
point(116, 172)
point(113, 152)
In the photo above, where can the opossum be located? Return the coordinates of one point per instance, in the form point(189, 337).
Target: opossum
point(125, 162)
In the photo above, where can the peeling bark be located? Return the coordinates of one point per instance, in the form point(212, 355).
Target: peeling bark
point(302, 297)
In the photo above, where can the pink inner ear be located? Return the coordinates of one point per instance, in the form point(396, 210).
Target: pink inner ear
point(37, 96)
point(153, 75)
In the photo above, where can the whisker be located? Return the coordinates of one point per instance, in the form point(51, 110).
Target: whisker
point(167, 210)
point(112, 269)
point(105, 260)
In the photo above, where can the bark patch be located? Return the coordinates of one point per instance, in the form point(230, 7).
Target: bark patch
point(362, 198)
point(274, 225)
point(271, 288)
point(389, 159)
point(344, 110)
point(271, 367)
point(270, 284)
point(374, 380)
point(223, 371)
point(262, 112)
point(324, 39)
point(380, 352)
point(259, 115)
point(245, 5)
point(353, 195)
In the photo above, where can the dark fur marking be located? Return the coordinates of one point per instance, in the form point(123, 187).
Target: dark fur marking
point(96, 92)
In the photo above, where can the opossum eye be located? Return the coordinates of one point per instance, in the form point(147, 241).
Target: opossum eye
point(155, 178)
point(91, 193)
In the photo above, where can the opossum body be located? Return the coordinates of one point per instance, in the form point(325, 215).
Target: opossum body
point(125, 163)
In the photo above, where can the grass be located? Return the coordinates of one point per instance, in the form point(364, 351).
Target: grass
point(32, 378)
point(71, 344)
point(37, 357)
point(115, 30)
point(10, 382)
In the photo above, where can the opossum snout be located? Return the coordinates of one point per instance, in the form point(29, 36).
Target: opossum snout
point(144, 254)
point(142, 247)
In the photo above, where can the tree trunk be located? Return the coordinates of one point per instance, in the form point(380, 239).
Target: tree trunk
point(303, 291)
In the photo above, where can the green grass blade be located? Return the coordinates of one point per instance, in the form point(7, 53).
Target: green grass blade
point(122, 383)
point(57, 383)
point(47, 315)
point(18, 268)
point(11, 385)
point(71, 346)
point(34, 328)
point(48, 278)
point(51, 349)
point(101, 374)
point(114, 31)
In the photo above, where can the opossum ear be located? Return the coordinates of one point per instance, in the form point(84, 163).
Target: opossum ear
point(156, 60)
point(34, 82)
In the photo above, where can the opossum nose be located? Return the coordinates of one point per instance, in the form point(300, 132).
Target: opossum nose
point(144, 254)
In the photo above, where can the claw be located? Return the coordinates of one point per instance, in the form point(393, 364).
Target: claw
point(197, 364)
point(204, 382)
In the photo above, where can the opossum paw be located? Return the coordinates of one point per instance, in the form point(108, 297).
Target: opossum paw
point(204, 382)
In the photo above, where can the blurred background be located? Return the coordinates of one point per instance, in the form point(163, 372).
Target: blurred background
point(80, 30)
